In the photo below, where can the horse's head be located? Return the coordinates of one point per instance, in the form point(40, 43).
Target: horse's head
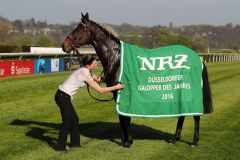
point(105, 44)
point(80, 36)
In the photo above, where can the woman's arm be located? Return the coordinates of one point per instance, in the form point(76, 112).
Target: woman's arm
point(100, 89)
point(96, 78)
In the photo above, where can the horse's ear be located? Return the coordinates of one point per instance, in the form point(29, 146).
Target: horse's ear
point(82, 15)
point(86, 16)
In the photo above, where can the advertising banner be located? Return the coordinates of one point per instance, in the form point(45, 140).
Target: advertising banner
point(39, 66)
point(42, 66)
point(48, 65)
point(16, 68)
point(55, 65)
point(61, 64)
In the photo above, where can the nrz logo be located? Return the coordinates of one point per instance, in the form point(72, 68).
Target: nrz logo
point(159, 63)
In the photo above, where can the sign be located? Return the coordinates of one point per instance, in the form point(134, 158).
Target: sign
point(39, 66)
point(16, 68)
point(55, 65)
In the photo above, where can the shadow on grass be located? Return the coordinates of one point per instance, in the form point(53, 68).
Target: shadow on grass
point(44, 131)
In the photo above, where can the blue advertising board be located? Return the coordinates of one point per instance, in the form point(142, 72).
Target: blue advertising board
point(48, 65)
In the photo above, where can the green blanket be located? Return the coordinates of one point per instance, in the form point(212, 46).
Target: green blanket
point(160, 82)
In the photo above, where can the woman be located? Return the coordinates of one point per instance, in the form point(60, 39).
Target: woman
point(65, 93)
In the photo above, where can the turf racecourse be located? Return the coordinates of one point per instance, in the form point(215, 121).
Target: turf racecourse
point(29, 122)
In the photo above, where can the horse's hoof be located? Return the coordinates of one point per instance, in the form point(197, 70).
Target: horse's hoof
point(173, 141)
point(127, 144)
point(193, 145)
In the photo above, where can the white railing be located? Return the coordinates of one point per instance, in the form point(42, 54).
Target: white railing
point(206, 57)
point(219, 57)
point(46, 52)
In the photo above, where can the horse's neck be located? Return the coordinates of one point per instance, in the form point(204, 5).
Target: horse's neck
point(107, 50)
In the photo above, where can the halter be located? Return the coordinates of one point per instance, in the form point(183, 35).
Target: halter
point(76, 42)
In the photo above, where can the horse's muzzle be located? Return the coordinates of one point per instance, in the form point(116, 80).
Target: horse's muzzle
point(63, 48)
point(66, 49)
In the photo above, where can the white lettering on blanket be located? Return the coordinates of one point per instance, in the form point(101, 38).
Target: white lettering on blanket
point(158, 63)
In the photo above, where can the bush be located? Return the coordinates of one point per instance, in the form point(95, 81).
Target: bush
point(9, 48)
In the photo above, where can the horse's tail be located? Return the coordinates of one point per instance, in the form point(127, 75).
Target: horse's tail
point(207, 95)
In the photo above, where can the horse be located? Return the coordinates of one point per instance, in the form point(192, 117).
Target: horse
point(107, 48)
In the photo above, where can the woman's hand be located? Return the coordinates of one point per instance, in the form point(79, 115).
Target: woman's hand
point(100, 89)
point(119, 86)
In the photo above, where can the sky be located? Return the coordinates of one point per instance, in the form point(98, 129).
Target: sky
point(135, 12)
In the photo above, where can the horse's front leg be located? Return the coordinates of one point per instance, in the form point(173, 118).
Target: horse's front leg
point(196, 131)
point(177, 135)
point(125, 124)
point(127, 138)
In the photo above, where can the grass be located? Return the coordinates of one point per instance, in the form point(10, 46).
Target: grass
point(29, 123)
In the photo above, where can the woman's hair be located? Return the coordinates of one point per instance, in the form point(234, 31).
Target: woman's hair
point(87, 60)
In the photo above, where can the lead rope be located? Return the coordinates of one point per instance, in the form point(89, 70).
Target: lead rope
point(101, 100)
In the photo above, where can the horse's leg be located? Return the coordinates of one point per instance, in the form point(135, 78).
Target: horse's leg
point(125, 125)
point(127, 138)
point(178, 130)
point(196, 131)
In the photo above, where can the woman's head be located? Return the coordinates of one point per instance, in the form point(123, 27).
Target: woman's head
point(89, 61)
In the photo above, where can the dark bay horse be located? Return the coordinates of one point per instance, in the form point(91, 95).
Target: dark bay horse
point(107, 48)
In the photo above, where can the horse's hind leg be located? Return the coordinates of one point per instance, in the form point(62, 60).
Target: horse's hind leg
point(177, 135)
point(127, 138)
point(196, 131)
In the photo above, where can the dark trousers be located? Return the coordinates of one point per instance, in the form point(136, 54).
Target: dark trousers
point(69, 121)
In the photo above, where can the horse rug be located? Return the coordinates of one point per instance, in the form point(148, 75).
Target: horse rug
point(160, 82)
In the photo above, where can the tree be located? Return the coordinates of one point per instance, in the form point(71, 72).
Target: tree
point(27, 41)
point(235, 47)
point(8, 33)
point(45, 41)
point(184, 40)
point(5, 29)
point(19, 25)
point(229, 25)
point(199, 44)
point(166, 37)
point(132, 39)
point(135, 40)
point(171, 25)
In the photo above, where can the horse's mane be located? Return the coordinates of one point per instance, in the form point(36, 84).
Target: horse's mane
point(106, 32)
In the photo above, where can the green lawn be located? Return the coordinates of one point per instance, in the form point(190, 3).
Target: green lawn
point(29, 123)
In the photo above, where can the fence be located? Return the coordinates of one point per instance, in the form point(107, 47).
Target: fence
point(219, 57)
point(43, 52)
point(37, 64)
